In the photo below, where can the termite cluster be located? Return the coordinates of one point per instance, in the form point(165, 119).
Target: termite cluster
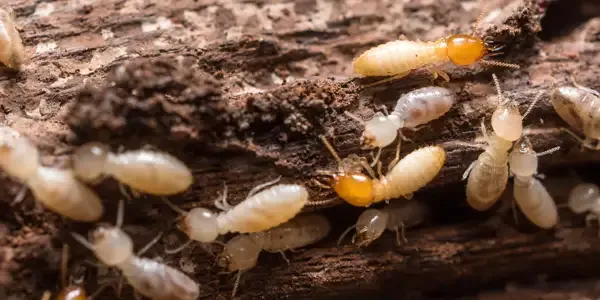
point(270, 218)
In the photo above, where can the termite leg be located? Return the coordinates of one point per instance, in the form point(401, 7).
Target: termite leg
point(261, 186)
point(587, 89)
point(585, 143)
point(397, 157)
point(468, 170)
point(393, 77)
point(20, 195)
point(436, 71)
point(150, 244)
point(379, 172)
point(284, 257)
point(368, 167)
point(377, 157)
point(408, 196)
point(221, 202)
point(384, 109)
point(403, 137)
point(124, 192)
point(178, 249)
point(320, 184)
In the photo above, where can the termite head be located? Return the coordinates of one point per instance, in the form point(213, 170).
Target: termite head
point(111, 245)
point(18, 156)
point(381, 131)
point(200, 224)
point(240, 254)
point(584, 197)
point(89, 161)
point(370, 226)
point(464, 49)
point(523, 160)
point(507, 121)
point(72, 293)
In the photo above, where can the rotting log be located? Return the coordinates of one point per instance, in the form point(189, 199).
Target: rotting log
point(250, 108)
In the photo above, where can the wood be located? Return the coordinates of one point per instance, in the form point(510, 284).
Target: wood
point(244, 109)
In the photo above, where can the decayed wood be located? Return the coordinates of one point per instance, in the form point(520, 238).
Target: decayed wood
point(222, 107)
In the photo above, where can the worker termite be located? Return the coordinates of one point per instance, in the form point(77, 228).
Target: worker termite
point(151, 172)
point(113, 247)
point(57, 189)
point(260, 211)
point(530, 194)
point(415, 108)
point(398, 58)
point(241, 252)
point(578, 106)
point(404, 177)
point(488, 175)
point(585, 198)
point(12, 53)
point(397, 216)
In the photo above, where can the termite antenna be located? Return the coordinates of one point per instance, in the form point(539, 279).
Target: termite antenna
point(178, 249)
point(535, 100)
point(259, 187)
point(173, 206)
point(587, 89)
point(83, 241)
point(499, 64)
point(498, 89)
point(120, 214)
point(150, 244)
point(322, 202)
point(236, 284)
point(549, 151)
point(331, 150)
point(478, 21)
point(339, 242)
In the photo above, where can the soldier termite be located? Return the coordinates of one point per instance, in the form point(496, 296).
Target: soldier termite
point(397, 216)
point(415, 108)
point(404, 176)
point(585, 198)
point(151, 172)
point(531, 196)
point(578, 106)
point(241, 252)
point(260, 211)
point(113, 247)
point(488, 175)
point(72, 291)
point(57, 189)
point(398, 58)
point(12, 53)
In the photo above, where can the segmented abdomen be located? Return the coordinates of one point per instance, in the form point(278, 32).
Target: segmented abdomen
point(535, 202)
point(296, 233)
point(158, 281)
point(396, 57)
point(265, 210)
point(424, 105)
point(486, 182)
point(410, 174)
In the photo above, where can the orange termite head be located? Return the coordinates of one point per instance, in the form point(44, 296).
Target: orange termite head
point(464, 49)
point(355, 188)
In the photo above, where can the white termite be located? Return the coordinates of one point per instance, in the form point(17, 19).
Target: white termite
point(415, 108)
point(261, 210)
point(57, 189)
point(113, 247)
point(530, 194)
point(12, 52)
point(397, 217)
point(488, 175)
point(585, 198)
point(241, 252)
point(152, 172)
point(579, 106)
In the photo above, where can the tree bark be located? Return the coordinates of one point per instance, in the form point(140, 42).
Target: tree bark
point(242, 106)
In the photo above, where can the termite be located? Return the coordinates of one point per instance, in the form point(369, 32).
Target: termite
point(585, 198)
point(151, 172)
point(488, 175)
point(57, 189)
point(399, 58)
point(113, 247)
point(241, 252)
point(404, 176)
point(397, 217)
point(413, 109)
point(260, 211)
point(74, 291)
point(578, 106)
point(530, 194)
point(12, 52)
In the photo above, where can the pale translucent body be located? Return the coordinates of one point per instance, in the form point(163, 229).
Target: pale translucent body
point(585, 197)
point(410, 174)
point(415, 108)
point(242, 251)
point(56, 189)
point(580, 108)
point(12, 52)
point(372, 222)
point(507, 123)
point(152, 279)
point(398, 57)
point(487, 180)
point(264, 210)
point(150, 172)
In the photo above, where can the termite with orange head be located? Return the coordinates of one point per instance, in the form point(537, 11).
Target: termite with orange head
point(57, 189)
point(404, 176)
point(12, 52)
point(398, 58)
point(397, 217)
point(147, 171)
point(73, 290)
point(261, 210)
point(488, 175)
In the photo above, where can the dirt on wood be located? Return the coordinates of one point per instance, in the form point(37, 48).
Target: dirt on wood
point(241, 90)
